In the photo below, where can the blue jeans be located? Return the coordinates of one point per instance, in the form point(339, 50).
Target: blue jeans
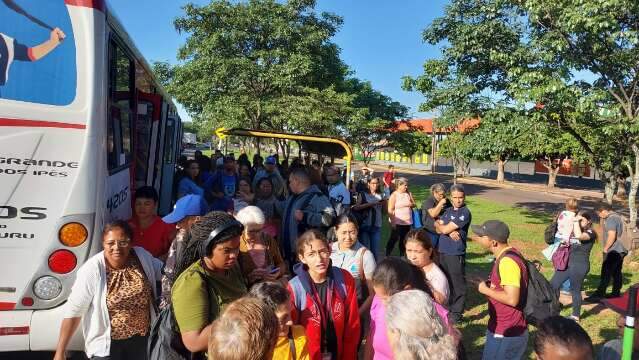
point(505, 348)
point(370, 237)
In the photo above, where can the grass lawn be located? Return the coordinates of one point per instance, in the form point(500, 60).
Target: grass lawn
point(526, 234)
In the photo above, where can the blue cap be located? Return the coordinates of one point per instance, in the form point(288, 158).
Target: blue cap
point(270, 160)
point(189, 205)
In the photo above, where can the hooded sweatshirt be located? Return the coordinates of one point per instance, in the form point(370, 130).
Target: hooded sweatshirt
point(318, 213)
point(341, 314)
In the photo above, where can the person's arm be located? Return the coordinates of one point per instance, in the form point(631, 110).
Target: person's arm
point(321, 212)
point(366, 305)
point(446, 229)
point(67, 329)
point(611, 236)
point(435, 211)
point(369, 352)
point(439, 297)
point(39, 51)
point(391, 205)
point(508, 296)
point(196, 341)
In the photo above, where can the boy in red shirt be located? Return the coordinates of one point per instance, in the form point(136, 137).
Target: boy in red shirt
point(149, 231)
point(389, 176)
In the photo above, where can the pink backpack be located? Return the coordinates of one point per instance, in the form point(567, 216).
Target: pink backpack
point(560, 257)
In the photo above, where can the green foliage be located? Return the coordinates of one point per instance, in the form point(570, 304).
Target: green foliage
point(410, 141)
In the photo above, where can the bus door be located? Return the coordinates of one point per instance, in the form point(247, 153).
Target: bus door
point(171, 147)
point(149, 106)
point(159, 151)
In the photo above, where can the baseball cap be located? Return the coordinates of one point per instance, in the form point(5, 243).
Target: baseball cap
point(270, 160)
point(620, 304)
point(494, 229)
point(189, 205)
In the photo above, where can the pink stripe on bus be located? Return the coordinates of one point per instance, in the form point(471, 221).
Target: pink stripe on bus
point(94, 4)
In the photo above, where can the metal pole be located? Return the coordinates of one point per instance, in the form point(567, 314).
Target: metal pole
point(629, 330)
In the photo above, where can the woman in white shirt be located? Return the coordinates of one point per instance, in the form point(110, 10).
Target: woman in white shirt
point(421, 253)
point(113, 297)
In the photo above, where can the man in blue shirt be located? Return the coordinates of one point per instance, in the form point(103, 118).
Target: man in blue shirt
point(453, 229)
point(223, 185)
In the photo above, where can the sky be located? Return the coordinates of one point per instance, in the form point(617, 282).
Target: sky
point(380, 40)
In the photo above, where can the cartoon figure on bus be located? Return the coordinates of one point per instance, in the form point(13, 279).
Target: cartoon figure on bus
point(11, 49)
point(51, 82)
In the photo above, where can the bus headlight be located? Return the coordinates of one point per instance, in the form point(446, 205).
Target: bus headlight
point(73, 234)
point(47, 288)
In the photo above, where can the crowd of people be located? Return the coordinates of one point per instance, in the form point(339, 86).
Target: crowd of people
point(266, 260)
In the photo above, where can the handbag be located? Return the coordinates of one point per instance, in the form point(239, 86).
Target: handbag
point(560, 257)
point(417, 219)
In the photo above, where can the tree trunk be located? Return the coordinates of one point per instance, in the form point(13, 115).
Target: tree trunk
point(610, 187)
point(552, 176)
point(433, 161)
point(454, 171)
point(634, 185)
point(621, 187)
point(501, 164)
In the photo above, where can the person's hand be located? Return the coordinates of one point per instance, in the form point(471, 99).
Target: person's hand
point(248, 197)
point(442, 202)
point(299, 215)
point(272, 277)
point(59, 355)
point(57, 36)
point(482, 287)
point(455, 235)
point(257, 274)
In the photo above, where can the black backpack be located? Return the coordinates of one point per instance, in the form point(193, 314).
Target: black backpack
point(542, 300)
point(360, 215)
point(165, 340)
point(550, 231)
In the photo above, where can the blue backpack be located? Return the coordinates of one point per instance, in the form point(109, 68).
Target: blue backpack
point(300, 290)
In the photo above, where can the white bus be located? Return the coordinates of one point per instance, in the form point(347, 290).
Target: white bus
point(83, 122)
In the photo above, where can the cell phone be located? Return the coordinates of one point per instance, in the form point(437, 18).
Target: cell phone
point(487, 282)
point(274, 270)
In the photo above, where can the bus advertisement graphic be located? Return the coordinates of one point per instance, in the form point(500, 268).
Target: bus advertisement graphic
point(37, 52)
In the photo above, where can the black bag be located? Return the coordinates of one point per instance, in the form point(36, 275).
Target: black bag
point(542, 300)
point(551, 230)
point(165, 341)
point(360, 215)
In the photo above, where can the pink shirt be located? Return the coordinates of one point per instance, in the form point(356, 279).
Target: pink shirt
point(403, 211)
point(381, 345)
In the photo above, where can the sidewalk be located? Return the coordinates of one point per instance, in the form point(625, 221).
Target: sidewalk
point(561, 192)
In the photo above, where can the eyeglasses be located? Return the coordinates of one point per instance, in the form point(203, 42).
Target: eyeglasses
point(118, 243)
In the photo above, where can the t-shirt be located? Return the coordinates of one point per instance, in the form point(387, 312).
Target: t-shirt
point(155, 239)
point(427, 220)
point(580, 253)
point(329, 336)
point(462, 218)
point(381, 345)
point(612, 351)
point(565, 225)
point(614, 222)
point(11, 50)
point(339, 194)
point(283, 346)
point(504, 319)
point(190, 295)
point(388, 178)
point(349, 261)
point(437, 280)
point(187, 186)
point(229, 183)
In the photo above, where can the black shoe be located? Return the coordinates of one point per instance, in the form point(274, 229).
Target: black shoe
point(593, 299)
point(613, 295)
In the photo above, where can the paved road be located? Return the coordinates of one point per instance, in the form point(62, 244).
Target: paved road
point(532, 200)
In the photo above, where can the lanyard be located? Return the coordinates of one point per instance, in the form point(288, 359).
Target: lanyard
point(291, 343)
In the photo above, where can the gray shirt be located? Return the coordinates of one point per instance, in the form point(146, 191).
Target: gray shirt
point(612, 351)
point(614, 222)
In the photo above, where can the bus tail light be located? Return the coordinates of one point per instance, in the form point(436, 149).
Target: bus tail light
point(47, 288)
point(27, 301)
point(62, 261)
point(73, 234)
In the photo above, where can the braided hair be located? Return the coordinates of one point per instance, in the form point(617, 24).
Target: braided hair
point(197, 246)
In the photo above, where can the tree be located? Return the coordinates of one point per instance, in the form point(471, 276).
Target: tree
point(242, 59)
point(456, 148)
point(377, 118)
point(410, 141)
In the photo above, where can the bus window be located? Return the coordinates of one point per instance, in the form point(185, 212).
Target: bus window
point(120, 104)
point(169, 141)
